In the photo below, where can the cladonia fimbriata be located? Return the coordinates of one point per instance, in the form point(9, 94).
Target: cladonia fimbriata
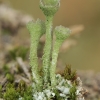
point(37, 29)
point(49, 85)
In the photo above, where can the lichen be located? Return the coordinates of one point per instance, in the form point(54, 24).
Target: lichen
point(64, 90)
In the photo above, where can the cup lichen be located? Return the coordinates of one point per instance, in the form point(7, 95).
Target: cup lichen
point(36, 29)
point(61, 33)
point(50, 86)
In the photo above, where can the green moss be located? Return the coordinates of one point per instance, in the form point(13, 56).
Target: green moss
point(21, 87)
point(69, 74)
point(18, 52)
point(27, 95)
point(6, 69)
point(11, 93)
point(73, 92)
point(57, 97)
point(10, 77)
point(0, 91)
point(14, 93)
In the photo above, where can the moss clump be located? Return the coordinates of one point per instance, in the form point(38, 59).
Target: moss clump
point(10, 77)
point(13, 92)
point(27, 95)
point(0, 91)
point(18, 52)
point(65, 89)
point(73, 93)
point(69, 74)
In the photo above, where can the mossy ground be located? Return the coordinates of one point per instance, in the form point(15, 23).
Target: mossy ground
point(12, 89)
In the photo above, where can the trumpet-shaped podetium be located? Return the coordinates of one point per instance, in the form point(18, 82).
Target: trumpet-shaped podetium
point(36, 29)
point(61, 33)
point(49, 7)
point(38, 26)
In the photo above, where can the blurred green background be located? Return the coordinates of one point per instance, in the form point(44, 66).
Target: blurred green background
point(86, 54)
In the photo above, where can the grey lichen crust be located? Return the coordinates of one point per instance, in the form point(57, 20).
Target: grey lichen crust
point(61, 91)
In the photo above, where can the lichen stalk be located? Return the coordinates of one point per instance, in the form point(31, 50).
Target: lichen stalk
point(54, 61)
point(47, 49)
point(34, 62)
point(61, 33)
point(36, 30)
point(49, 9)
